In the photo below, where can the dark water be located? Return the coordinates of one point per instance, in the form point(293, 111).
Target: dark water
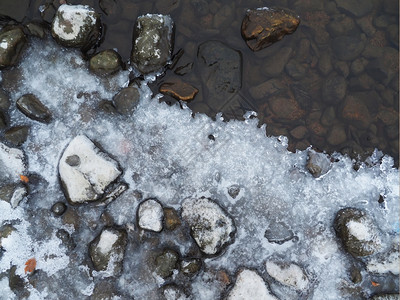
point(319, 76)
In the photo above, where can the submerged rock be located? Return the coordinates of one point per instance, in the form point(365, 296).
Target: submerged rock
point(288, 274)
point(318, 164)
point(150, 215)
point(85, 171)
point(357, 231)
point(264, 26)
point(153, 42)
point(211, 227)
point(31, 107)
point(76, 26)
point(250, 285)
point(105, 62)
point(166, 263)
point(107, 250)
point(12, 43)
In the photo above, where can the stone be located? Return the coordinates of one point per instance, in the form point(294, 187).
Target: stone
point(153, 42)
point(76, 26)
point(295, 69)
point(4, 101)
point(264, 26)
point(58, 208)
point(355, 275)
point(107, 250)
point(105, 62)
point(348, 47)
point(150, 215)
point(104, 290)
point(358, 66)
point(66, 239)
point(357, 8)
point(182, 70)
point(266, 89)
point(299, 132)
point(284, 106)
point(127, 100)
point(166, 263)
point(393, 32)
point(385, 263)
point(385, 67)
point(365, 24)
point(17, 135)
point(171, 218)
point(355, 111)
point(190, 267)
point(31, 107)
point(288, 274)
point(110, 7)
point(388, 116)
point(325, 63)
point(92, 171)
point(337, 135)
point(211, 227)
point(12, 44)
point(234, 191)
point(328, 116)
point(250, 285)
point(179, 90)
point(274, 65)
point(36, 29)
point(318, 164)
point(357, 232)
point(15, 9)
point(334, 89)
point(3, 121)
point(278, 232)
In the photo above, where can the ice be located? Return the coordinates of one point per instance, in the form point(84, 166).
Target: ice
point(165, 153)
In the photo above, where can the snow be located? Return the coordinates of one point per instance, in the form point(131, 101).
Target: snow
point(359, 230)
point(11, 163)
point(107, 240)
point(288, 274)
point(151, 215)
point(4, 45)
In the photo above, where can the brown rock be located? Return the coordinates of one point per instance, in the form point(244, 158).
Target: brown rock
point(355, 111)
point(299, 132)
point(263, 27)
point(171, 218)
point(337, 135)
point(179, 90)
point(285, 107)
point(388, 116)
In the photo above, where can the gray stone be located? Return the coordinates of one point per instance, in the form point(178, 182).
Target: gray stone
point(107, 250)
point(36, 29)
point(4, 100)
point(347, 47)
point(110, 7)
point(318, 164)
point(17, 135)
point(66, 239)
point(15, 9)
point(357, 231)
point(153, 43)
point(334, 89)
point(150, 215)
point(278, 232)
point(105, 62)
point(126, 100)
point(3, 121)
point(357, 8)
point(234, 190)
point(31, 107)
point(211, 227)
point(166, 263)
point(274, 65)
point(58, 208)
point(355, 275)
point(104, 290)
point(12, 43)
point(182, 70)
point(76, 26)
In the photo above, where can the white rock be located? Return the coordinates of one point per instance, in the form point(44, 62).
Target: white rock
point(250, 286)
point(11, 164)
point(287, 274)
point(211, 227)
point(85, 171)
point(150, 215)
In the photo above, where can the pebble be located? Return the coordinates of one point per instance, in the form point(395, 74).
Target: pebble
point(179, 90)
point(31, 106)
point(150, 215)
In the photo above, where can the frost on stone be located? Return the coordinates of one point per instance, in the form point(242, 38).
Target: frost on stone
point(150, 215)
point(211, 227)
point(86, 172)
point(250, 285)
point(387, 262)
point(318, 164)
point(288, 274)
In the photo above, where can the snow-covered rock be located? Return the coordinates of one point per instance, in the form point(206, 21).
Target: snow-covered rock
point(86, 172)
point(211, 227)
point(387, 262)
point(150, 215)
point(288, 274)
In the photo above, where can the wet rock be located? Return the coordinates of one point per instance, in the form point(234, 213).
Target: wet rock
point(358, 233)
point(31, 107)
point(76, 26)
point(105, 62)
point(357, 8)
point(110, 7)
point(12, 43)
point(279, 233)
point(171, 218)
point(58, 208)
point(328, 116)
point(388, 116)
point(356, 112)
point(295, 69)
point(318, 164)
point(342, 68)
point(355, 275)
point(190, 267)
point(4, 101)
point(87, 179)
point(104, 290)
point(337, 135)
point(334, 89)
point(267, 88)
point(107, 250)
point(385, 67)
point(179, 90)
point(182, 70)
point(288, 274)
point(127, 100)
point(264, 26)
point(3, 121)
point(358, 66)
point(17, 284)
point(17, 135)
point(250, 285)
point(166, 263)
point(234, 191)
point(153, 42)
point(36, 29)
point(211, 227)
point(15, 9)
point(274, 66)
point(299, 132)
point(150, 215)
point(347, 47)
point(12, 193)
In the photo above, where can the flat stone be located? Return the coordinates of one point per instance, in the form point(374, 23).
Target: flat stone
point(150, 215)
point(264, 26)
point(179, 90)
point(152, 44)
point(105, 62)
point(348, 47)
point(86, 180)
point(31, 107)
point(17, 135)
point(211, 227)
point(278, 232)
point(127, 100)
point(12, 43)
point(288, 274)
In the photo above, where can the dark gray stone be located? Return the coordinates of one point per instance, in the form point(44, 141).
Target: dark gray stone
point(3, 121)
point(393, 31)
point(328, 116)
point(17, 135)
point(110, 7)
point(58, 208)
point(358, 66)
point(126, 100)
point(12, 43)
point(347, 47)
point(295, 69)
point(334, 89)
point(279, 233)
point(4, 101)
point(31, 106)
point(355, 275)
point(73, 160)
point(105, 62)
point(357, 8)
point(36, 29)
point(234, 190)
point(15, 9)
point(166, 263)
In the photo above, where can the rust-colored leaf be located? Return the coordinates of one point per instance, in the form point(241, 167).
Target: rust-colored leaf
point(30, 265)
point(24, 178)
point(374, 283)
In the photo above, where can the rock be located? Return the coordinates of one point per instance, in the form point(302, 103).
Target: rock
point(328, 116)
point(342, 68)
point(17, 135)
point(385, 67)
point(166, 263)
point(385, 263)
point(85, 171)
point(179, 90)
point(356, 112)
point(337, 135)
point(358, 233)
point(334, 89)
point(110, 7)
point(153, 42)
point(318, 164)
point(347, 47)
point(266, 89)
point(4, 100)
point(107, 250)
point(66, 239)
point(150, 215)
point(104, 290)
point(31, 107)
point(388, 116)
point(288, 274)
point(355, 275)
point(357, 8)
point(295, 69)
point(17, 284)
point(274, 65)
point(234, 191)
point(393, 32)
point(58, 208)
point(76, 26)
point(36, 29)
point(250, 285)
point(12, 43)
point(264, 26)
point(105, 62)
point(284, 106)
point(190, 267)
point(15, 9)
point(126, 100)
point(325, 63)
point(299, 132)
point(358, 66)
point(171, 218)
point(385, 297)
point(211, 227)
point(3, 121)
point(278, 232)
